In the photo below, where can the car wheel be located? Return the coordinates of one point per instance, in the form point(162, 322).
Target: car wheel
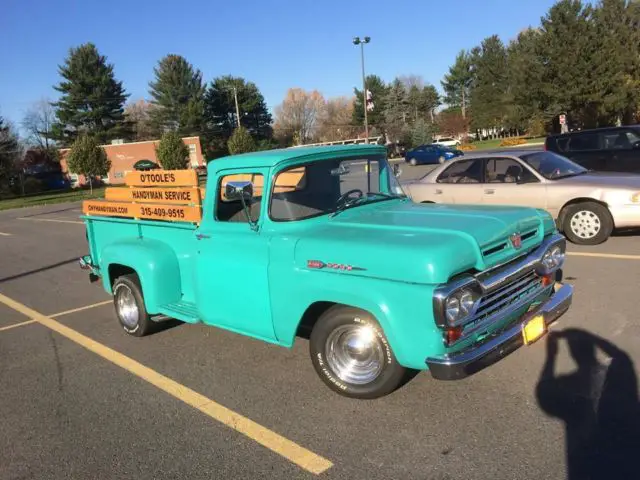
point(352, 356)
point(129, 304)
point(413, 162)
point(587, 223)
point(441, 159)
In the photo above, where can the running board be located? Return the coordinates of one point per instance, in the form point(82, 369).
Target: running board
point(185, 311)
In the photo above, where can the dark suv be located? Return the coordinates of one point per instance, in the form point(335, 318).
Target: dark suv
point(614, 149)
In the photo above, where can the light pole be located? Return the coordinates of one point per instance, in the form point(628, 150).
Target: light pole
point(358, 41)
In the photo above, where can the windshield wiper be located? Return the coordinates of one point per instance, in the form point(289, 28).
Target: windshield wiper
point(364, 199)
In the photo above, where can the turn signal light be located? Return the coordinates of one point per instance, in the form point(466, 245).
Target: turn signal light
point(547, 280)
point(452, 334)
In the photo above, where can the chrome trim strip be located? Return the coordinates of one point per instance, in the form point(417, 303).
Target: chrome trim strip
point(499, 344)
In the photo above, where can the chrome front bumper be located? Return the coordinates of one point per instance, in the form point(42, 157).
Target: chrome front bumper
point(498, 344)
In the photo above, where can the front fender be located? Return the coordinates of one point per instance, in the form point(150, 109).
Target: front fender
point(155, 263)
point(403, 310)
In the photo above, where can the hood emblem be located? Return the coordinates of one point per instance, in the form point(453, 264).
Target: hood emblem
point(516, 240)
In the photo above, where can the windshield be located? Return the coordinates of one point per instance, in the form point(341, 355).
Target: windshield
point(552, 166)
point(330, 186)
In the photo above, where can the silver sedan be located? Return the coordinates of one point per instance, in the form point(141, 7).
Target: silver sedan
point(587, 205)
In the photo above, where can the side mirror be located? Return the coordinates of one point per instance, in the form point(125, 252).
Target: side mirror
point(397, 171)
point(636, 145)
point(239, 191)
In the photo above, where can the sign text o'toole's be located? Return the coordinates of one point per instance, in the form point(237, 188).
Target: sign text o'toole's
point(162, 178)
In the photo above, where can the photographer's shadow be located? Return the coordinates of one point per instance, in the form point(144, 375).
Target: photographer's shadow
point(598, 403)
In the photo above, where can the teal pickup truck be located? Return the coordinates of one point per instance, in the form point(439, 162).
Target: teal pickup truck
point(322, 241)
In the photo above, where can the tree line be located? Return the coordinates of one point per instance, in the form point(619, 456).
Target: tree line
point(582, 61)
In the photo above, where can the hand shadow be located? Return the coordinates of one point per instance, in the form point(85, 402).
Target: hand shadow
point(599, 405)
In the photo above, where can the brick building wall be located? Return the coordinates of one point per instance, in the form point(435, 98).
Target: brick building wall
point(124, 155)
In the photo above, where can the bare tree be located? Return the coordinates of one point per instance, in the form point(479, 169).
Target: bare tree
point(412, 81)
point(38, 123)
point(298, 115)
point(335, 121)
point(138, 114)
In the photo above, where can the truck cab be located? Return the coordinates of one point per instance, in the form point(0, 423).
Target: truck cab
point(323, 241)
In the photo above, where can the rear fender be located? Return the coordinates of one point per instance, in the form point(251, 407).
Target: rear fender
point(155, 263)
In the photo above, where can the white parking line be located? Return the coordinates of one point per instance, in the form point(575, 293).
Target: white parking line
point(2, 234)
point(604, 255)
point(50, 220)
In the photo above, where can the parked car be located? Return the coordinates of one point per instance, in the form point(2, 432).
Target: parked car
point(587, 205)
point(447, 142)
point(615, 149)
point(323, 240)
point(431, 154)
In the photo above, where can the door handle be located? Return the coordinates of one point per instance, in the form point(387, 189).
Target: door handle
point(200, 236)
point(438, 192)
point(489, 191)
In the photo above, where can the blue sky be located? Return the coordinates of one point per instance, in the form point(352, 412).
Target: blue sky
point(275, 43)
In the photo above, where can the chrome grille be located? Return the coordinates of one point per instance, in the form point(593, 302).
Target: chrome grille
point(504, 299)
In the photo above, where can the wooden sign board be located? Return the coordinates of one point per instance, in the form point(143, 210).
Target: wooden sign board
point(172, 196)
point(162, 178)
point(176, 213)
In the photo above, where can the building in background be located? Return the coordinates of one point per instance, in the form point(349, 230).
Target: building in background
point(124, 155)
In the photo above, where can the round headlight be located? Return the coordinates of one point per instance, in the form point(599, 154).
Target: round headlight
point(467, 300)
point(558, 255)
point(452, 308)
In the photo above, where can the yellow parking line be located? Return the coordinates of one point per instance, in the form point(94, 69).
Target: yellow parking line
point(604, 255)
point(80, 309)
point(50, 220)
point(288, 449)
point(15, 325)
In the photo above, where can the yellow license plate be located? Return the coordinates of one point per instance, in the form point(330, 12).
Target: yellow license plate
point(533, 329)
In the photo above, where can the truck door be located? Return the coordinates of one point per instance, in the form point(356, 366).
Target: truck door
point(232, 286)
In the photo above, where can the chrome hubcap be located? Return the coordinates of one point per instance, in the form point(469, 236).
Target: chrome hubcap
point(585, 224)
point(355, 354)
point(126, 306)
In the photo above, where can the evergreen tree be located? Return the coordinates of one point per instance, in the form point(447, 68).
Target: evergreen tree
point(241, 141)
point(566, 53)
point(172, 153)
point(9, 148)
point(178, 97)
point(616, 60)
point(457, 83)
point(396, 113)
point(421, 133)
point(88, 158)
point(220, 108)
point(378, 90)
point(489, 92)
point(429, 101)
point(91, 100)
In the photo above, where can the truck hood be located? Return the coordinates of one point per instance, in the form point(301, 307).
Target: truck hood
point(419, 243)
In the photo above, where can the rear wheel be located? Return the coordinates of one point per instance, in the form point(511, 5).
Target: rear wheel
point(441, 159)
point(587, 223)
point(352, 356)
point(129, 304)
point(413, 162)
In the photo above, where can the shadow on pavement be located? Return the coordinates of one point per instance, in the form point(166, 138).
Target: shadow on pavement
point(598, 403)
point(38, 270)
point(50, 212)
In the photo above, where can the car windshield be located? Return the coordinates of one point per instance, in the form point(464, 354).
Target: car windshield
point(330, 186)
point(553, 166)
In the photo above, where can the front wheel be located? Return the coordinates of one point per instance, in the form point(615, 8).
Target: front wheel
point(587, 223)
point(441, 159)
point(351, 354)
point(129, 304)
point(413, 162)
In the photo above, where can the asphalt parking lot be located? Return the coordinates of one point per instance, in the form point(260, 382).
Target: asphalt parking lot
point(80, 399)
